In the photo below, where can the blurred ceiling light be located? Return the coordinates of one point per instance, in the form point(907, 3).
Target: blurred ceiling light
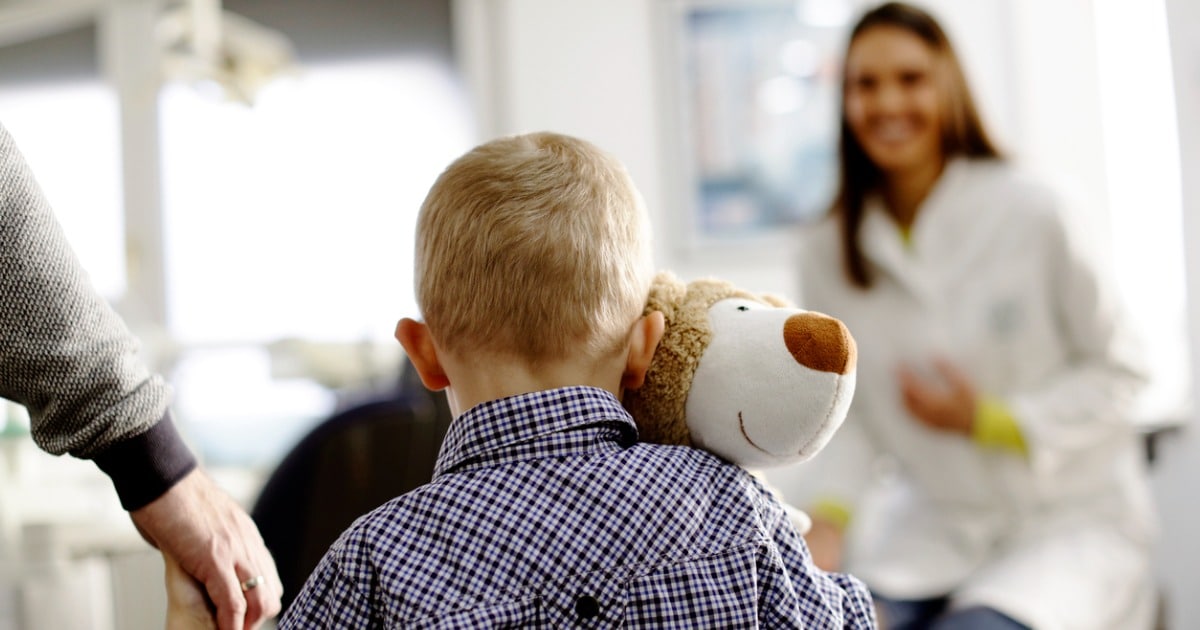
point(206, 46)
point(824, 13)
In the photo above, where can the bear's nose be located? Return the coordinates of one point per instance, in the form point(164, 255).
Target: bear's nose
point(820, 342)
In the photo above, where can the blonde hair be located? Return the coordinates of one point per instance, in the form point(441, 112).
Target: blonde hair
point(535, 247)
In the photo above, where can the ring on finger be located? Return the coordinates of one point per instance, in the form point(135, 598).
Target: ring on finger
point(252, 583)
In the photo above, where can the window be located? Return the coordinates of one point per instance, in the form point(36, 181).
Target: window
point(67, 131)
point(294, 220)
point(761, 93)
point(1142, 159)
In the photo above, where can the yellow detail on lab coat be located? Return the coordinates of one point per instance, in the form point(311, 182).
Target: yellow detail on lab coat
point(996, 427)
point(833, 510)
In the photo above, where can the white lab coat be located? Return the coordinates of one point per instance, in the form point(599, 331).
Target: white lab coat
point(994, 281)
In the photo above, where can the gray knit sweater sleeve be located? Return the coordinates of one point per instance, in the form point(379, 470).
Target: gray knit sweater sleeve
point(68, 358)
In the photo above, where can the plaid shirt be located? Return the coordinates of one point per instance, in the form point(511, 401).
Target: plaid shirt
point(544, 512)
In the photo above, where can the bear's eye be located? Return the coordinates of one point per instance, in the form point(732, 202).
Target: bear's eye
point(743, 308)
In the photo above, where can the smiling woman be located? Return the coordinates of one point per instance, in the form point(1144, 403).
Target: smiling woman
point(997, 370)
point(892, 99)
point(906, 109)
point(892, 107)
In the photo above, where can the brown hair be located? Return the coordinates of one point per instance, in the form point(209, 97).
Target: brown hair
point(535, 247)
point(963, 132)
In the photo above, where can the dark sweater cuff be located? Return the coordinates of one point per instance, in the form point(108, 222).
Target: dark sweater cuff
point(145, 466)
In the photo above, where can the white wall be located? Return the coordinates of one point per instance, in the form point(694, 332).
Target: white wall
point(1178, 473)
point(583, 68)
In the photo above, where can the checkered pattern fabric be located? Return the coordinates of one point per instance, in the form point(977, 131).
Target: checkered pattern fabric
point(545, 512)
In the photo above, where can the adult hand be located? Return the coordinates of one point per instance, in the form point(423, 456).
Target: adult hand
point(946, 404)
point(825, 539)
point(215, 542)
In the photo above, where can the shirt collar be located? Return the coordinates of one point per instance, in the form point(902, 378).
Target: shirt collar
point(551, 423)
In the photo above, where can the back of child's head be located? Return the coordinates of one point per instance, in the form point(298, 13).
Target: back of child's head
point(533, 247)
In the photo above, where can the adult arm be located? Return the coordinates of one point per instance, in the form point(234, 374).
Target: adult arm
point(70, 360)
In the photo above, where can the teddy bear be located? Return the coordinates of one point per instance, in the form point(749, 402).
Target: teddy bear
point(749, 378)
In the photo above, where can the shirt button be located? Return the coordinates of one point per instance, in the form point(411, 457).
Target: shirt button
point(587, 607)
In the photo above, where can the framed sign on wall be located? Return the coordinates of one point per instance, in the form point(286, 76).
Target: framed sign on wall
point(753, 105)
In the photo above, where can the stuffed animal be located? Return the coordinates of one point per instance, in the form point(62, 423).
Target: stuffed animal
point(749, 378)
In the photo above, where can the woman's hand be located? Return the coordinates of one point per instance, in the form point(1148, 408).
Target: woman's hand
point(825, 539)
point(947, 404)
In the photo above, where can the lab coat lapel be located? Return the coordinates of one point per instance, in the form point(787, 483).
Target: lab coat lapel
point(883, 244)
point(954, 225)
point(951, 231)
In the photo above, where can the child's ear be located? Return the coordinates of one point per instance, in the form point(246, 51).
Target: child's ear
point(643, 341)
point(418, 345)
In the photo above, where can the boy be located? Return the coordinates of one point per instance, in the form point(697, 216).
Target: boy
point(532, 268)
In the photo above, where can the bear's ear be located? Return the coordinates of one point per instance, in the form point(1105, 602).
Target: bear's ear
point(666, 294)
point(776, 301)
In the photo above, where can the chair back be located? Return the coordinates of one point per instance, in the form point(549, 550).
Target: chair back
point(347, 466)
